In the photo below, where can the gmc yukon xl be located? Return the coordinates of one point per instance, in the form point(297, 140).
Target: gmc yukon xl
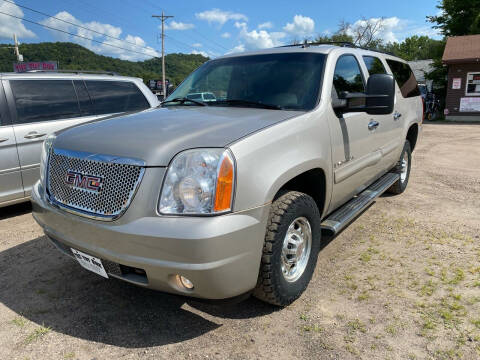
point(230, 197)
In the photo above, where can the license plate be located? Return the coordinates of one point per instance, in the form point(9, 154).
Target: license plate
point(90, 263)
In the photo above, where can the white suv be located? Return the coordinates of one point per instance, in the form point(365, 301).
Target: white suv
point(33, 105)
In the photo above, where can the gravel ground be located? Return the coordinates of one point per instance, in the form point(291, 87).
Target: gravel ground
point(401, 282)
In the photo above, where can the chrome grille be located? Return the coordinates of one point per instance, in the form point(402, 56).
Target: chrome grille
point(120, 179)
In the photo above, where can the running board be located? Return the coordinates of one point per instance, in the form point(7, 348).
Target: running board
point(336, 221)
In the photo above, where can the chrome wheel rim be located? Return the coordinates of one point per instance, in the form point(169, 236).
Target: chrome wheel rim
point(296, 249)
point(404, 167)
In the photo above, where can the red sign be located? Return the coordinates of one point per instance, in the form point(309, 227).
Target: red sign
point(35, 65)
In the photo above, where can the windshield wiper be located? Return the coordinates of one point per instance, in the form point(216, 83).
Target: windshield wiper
point(183, 100)
point(240, 102)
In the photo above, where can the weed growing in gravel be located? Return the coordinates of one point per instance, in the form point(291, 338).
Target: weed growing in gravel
point(37, 333)
point(19, 321)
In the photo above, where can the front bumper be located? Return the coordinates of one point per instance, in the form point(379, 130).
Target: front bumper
point(219, 254)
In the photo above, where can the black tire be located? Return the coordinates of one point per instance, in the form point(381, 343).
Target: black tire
point(400, 186)
point(272, 287)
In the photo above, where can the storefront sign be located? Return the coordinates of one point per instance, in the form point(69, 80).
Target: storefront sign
point(457, 83)
point(470, 104)
point(35, 65)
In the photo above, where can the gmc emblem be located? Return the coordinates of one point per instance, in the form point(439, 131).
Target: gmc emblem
point(84, 182)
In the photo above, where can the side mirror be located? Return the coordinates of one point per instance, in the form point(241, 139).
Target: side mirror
point(378, 99)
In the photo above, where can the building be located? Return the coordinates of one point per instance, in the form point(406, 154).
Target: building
point(462, 56)
point(420, 68)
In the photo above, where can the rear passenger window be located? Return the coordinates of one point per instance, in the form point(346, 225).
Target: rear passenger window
point(374, 65)
point(405, 78)
point(43, 100)
point(115, 96)
point(86, 106)
point(348, 76)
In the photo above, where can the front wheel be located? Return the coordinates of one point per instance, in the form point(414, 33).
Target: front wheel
point(403, 168)
point(290, 250)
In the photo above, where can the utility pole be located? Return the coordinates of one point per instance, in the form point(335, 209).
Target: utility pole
point(163, 17)
point(17, 51)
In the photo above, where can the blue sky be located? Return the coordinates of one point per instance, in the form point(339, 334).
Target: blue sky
point(210, 27)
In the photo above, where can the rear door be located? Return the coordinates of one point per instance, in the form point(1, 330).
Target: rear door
point(388, 135)
point(41, 107)
point(11, 187)
point(355, 148)
point(408, 103)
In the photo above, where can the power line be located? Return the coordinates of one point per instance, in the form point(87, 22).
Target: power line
point(80, 36)
point(71, 23)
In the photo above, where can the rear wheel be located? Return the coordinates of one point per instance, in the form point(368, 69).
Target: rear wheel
point(403, 168)
point(290, 250)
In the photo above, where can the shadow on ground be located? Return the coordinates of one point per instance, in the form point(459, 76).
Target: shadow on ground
point(50, 289)
point(15, 210)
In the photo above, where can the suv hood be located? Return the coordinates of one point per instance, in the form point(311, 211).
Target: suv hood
point(157, 135)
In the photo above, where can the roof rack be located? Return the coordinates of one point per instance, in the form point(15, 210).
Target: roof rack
point(112, 73)
point(348, 44)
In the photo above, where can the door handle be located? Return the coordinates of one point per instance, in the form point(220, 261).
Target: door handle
point(33, 135)
point(372, 125)
point(3, 139)
point(396, 115)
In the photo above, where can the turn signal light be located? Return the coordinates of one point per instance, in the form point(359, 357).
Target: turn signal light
point(224, 192)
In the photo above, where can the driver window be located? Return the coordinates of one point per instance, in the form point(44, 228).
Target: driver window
point(348, 76)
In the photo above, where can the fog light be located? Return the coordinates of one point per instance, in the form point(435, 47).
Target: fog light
point(187, 284)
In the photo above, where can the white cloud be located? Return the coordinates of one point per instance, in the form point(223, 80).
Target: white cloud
point(10, 25)
point(198, 52)
point(256, 39)
point(173, 25)
point(226, 35)
point(197, 45)
point(219, 16)
point(301, 26)
point(129, 43)
point(266, 25)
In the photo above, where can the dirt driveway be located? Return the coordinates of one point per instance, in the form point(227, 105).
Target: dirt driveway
point(402, 282)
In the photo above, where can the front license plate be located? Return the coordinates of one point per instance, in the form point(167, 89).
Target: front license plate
point(90, 263)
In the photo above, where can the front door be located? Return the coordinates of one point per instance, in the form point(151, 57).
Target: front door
point(11, 187)
point(356, 152)
point(42, 107)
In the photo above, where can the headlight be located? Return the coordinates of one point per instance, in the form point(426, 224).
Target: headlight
point(47, 145)
point(199, 181)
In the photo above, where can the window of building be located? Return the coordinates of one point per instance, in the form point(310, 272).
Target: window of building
point(473, 84)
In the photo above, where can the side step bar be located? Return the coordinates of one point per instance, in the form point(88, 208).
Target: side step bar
point(341, 217)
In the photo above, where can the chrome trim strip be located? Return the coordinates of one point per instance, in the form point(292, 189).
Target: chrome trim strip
point(99, 158)
point(7, 171)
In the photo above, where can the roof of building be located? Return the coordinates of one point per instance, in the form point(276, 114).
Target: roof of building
point(420, 67)
point(462, 49)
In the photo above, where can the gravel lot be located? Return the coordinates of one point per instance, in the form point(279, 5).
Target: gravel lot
point(401, 282)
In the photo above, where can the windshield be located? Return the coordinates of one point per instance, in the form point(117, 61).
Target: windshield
point(287, 81)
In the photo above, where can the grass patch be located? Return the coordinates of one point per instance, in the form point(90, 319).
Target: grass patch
point(19, 321)
point(365, 257)
point(356, 325)
point(37, 334)
point(428, 289)
point(363, 296)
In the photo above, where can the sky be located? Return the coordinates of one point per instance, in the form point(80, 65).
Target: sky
point(126, 29)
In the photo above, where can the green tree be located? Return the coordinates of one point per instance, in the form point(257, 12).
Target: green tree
point(75, 57)
point(458, 17)
point(416, 48)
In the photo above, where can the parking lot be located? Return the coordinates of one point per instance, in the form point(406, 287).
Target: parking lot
point(401, 282)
